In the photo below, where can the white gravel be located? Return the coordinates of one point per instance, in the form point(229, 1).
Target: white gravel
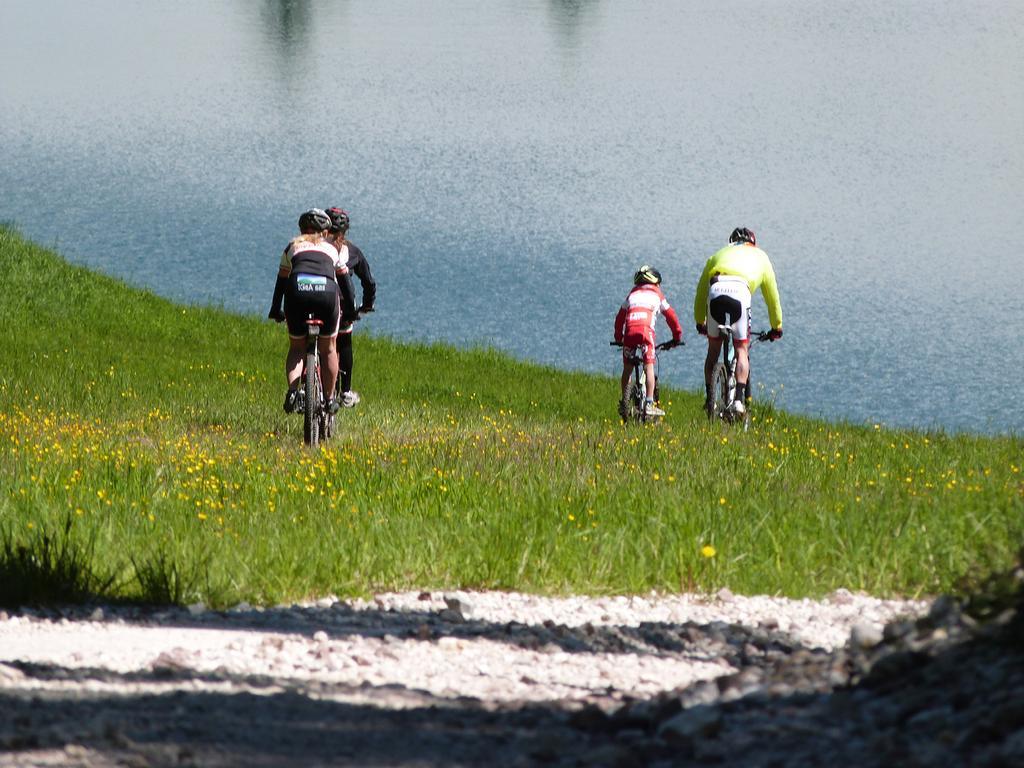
point(397, 649)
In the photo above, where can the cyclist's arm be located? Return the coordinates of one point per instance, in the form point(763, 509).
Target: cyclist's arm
point(620, 324)
point(700, 301)
point(673, 322)
point(280, 286)
point(770, 291)
point(348, 295)
point(361, 267)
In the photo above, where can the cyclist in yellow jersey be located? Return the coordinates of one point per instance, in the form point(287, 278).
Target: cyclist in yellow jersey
point(730, 277)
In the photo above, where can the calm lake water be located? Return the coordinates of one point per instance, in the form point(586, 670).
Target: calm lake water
point(508, 165)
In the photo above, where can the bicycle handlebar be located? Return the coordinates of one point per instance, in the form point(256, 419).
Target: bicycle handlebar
point(663, 345)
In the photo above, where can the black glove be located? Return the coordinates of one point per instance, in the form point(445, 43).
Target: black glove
point(702, 329)
point(276, 315)
point(774, 333)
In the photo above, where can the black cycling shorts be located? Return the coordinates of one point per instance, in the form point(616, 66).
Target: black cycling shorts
point(312, 294)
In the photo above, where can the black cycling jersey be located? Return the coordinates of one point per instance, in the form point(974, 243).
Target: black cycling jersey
point(313, 262)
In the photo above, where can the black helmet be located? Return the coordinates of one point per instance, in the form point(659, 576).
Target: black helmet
point(742, 235)
point(647, 274)
point(314, 220)
point(339, 219)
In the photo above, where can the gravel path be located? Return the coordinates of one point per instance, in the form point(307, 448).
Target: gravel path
point(412, 678)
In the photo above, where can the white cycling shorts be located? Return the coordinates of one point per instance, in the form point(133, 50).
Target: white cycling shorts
point(729, 305)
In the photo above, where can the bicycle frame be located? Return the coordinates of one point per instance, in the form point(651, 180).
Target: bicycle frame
point(635, 404)
point(317, 421)
point(723, 381)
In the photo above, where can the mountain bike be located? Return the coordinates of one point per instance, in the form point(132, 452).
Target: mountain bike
point(723, 382)
point(317, 421)
point(633, 408)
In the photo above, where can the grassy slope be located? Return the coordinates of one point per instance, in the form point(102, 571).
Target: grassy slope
point(157, 429)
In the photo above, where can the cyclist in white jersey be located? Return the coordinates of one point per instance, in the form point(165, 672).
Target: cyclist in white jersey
point(359, 267)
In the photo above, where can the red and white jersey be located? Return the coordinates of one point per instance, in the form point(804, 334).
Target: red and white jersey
point(640, 311)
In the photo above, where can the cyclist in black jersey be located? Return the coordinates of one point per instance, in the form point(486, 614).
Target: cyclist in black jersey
point(312, 280)
point(360, 267)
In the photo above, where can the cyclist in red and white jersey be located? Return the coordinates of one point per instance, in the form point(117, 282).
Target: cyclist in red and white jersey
point(730, 277)
point(634, 326)
point(312, 279)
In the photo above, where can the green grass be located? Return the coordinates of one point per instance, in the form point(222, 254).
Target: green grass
point(156, 429)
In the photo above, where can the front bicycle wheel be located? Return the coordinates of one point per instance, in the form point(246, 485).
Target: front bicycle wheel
point(719, 392)
point(311, 416)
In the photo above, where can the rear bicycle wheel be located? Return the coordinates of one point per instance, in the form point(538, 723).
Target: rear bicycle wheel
point(633, 411)
point(311, 415)
point(719, 392)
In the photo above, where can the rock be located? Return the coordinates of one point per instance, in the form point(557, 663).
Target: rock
point(197, 609)
point(590, 718)
point(456, 603)
point(686, 728)
point(612, 756)
point(841, 597)
point(896, 630)
point(10, 674)
point(944, 610)
point(452, 616)
point(865, 635)
point(725, 595)
point(1013, 748)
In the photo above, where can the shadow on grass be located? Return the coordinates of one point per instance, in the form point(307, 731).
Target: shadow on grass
point(51, 568)
point(60, 568)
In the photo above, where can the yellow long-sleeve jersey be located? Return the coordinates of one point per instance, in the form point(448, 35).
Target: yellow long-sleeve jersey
point(748, 262)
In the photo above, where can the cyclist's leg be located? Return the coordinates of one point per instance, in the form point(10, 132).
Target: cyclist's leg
point(718, 315)
point(649, 383)
point(741, 337)
point(345, 359)
point(714, 352)
point(630, 342)
point(729, 304)
point(293, 364)
point(649, 358)
point(329, 345)
point(328, 364)
point(296, 311)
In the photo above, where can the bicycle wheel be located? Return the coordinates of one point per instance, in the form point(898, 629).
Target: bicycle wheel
point(719, 392)
point(311, 416)
point(633, 410)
